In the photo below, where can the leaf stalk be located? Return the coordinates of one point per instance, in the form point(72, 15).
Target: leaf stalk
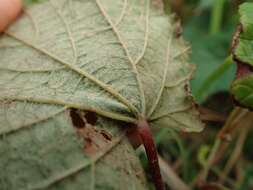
point(151, 151)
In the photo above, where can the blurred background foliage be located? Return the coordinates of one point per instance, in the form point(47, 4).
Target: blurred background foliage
point(208, 25)
point(220, 157)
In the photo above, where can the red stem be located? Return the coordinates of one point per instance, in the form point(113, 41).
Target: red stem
point(148, 142)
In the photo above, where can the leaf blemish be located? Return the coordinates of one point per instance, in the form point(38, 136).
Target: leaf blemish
point(94, 139)
point(76, 119)
point(91, 118)
point(106, 135)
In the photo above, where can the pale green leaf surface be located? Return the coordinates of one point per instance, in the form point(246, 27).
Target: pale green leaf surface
point(120, 60)
point(49, 155)
point(242, 88)
point(87, 55)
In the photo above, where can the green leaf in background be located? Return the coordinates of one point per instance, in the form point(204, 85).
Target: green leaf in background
point(208, 53)
point(242, 87)
point(118, 61)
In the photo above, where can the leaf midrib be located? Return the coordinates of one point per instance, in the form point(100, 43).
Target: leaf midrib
point(81, 72)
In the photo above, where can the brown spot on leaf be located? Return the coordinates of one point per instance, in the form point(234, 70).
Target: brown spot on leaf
point(94, 139)
point(76, 119)
point(106, 135)
point(91, 118)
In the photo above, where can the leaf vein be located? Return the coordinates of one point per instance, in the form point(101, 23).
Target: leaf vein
point(13, 130)
point(135, 71)
point(72, 105)
point(81, 72)
point(159, 95)
point(68, 32)
point(73, 171)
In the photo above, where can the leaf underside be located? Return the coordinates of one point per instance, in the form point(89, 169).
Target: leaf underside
point(242, 87)
point(119, 60)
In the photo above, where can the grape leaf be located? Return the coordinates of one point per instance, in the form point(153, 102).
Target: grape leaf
point(118, 60)
point(242, 87)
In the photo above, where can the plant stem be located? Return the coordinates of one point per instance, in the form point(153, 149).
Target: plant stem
point(211, 158)
point(216, 17)
point(234, 117)
point(237, 115)
point(150, 148)
point(245, 126)
point(170, 177)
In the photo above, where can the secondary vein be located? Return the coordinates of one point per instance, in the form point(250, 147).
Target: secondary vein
point(104, 113)
point(68, 31)
point(13, 130)
point(81, 72)
point(132, 63)
point(72, 171)
point(159, 95)
point(146, 37)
